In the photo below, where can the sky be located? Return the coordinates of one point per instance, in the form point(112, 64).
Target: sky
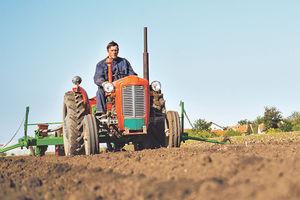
point(226, 60)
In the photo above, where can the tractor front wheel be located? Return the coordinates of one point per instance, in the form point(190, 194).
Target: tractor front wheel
point(174, 129)
point(90, 133)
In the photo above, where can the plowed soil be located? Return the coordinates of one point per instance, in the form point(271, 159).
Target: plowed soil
point(195, 171)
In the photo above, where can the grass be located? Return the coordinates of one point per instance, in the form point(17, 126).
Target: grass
point(261, 138)
point(267, 138)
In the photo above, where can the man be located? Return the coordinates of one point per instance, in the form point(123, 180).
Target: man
point(120, 69)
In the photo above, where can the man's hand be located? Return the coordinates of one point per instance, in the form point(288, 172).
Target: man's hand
point(104, 83)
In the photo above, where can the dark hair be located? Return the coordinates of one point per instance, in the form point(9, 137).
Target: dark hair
point(111, 44)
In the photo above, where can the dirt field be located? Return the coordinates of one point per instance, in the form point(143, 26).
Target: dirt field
point(250, 170)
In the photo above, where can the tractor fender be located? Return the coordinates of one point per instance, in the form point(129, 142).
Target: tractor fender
point(84, 96)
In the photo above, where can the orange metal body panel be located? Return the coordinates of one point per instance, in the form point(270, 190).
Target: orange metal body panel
point(108, 62)
point(130, 80)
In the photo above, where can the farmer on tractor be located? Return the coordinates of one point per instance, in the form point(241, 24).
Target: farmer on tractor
point(120, 69)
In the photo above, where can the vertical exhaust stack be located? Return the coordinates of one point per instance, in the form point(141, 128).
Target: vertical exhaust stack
point(146, 56)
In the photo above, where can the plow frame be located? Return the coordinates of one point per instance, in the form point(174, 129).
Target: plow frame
point(185, 136)
point(36, 141)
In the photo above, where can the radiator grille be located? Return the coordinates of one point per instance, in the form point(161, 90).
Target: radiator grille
point(133, 101)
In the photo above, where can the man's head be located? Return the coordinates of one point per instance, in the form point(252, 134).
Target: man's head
point(112, 49)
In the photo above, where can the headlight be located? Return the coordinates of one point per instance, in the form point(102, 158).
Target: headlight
point(76, 80)
point(156, 86)
point(108, 87)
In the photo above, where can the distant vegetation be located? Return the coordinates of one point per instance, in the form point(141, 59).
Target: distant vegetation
point(272, 122)
point(3, 154)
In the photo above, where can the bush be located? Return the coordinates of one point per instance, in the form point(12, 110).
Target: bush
point(231, 132)
point(3, 154)
point(296, 127)
point(201, 125)
point(255, 128)
point(274, 130)
point(286, 126)
point(202, 134)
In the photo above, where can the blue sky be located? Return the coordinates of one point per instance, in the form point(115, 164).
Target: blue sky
point(226, 60)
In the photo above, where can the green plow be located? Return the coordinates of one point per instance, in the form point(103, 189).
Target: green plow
point(185, 136)
point(39, 142)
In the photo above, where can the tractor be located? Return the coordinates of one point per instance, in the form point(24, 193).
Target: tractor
point(136, 114)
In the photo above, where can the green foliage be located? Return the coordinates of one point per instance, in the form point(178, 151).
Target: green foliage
point(294, 120)
point(201, 129)
point(248, 129)
point(274, 130)
point(286, 125)
point(272, 118)
point(201, 125)
point(294, 117)
point(295, 126)
point(231, 132)
point(255, 128)
point(201, 134)
point(243, 122)
point(259, 120)
point(3, 154)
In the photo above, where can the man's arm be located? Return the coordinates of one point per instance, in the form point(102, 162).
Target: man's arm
point(99, 76)
point(129, 69)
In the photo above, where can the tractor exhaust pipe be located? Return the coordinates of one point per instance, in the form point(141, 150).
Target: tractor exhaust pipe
point(146, 56)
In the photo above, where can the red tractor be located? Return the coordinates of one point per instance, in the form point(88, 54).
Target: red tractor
point(136, 114)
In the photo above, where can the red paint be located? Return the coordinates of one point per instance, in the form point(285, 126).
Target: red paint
point(43, 127)
point(84, 96)
point(109, 106)
point(92, 102)
point(108, 62)
point(130, 80)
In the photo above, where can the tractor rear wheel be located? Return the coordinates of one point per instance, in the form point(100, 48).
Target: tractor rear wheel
point(74, 111)
point(90, 132)
point(174, 129)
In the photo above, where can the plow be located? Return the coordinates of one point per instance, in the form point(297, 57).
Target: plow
point(135, 114)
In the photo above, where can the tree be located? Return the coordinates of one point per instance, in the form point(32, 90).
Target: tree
point(272, 117)
point(243, 122)
point(201, 125)
point(294, 117)
point(249, 131)
point(259, 120)
point(286, 125)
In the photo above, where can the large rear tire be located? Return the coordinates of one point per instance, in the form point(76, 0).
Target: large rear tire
point(90, 131)
point(74, 111)
point(174, 129)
